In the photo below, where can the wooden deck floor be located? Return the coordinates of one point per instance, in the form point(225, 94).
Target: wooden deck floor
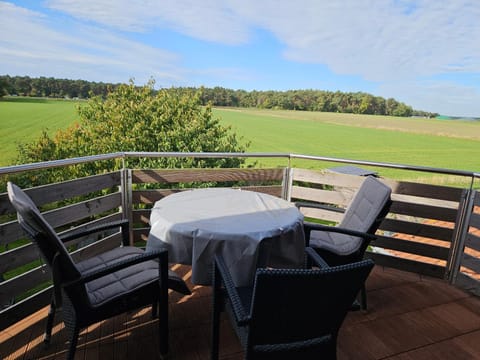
point(409, 317)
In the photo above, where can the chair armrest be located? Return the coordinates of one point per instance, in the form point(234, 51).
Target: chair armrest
point(220, 269)
point(317, 259)
point(162, 256)
point(308, 227)
point(300, 204)
point(94, 229)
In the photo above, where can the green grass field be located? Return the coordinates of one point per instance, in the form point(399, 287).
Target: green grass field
point(449, 144)
point(23, 119)
point(423, 142)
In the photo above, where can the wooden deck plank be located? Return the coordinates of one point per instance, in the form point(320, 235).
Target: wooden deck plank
point(469, 343)
point(408, 317)
point(120, 344)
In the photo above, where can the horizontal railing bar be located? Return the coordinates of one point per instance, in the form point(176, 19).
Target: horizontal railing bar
point(121, 155)
point(205, 154)
point(129, 154)
point(58, 163)
point(389, 165)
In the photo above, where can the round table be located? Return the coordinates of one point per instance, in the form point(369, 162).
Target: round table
point(249, 229)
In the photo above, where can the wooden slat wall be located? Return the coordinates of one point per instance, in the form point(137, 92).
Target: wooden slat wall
point(76, 215)
point(169, 176)
point(169, 181)
point(417, 232)
point(42, 195)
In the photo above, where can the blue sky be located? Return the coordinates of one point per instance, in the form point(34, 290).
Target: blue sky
point(425, 53)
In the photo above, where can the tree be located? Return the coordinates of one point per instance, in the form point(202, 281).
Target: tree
point(138, 119)
point(3, 87)
point(306, 100)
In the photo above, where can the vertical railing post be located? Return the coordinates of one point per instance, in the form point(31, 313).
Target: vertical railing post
point(460, 234)
point(126, 191)
point(129, 193)
point(287, 183)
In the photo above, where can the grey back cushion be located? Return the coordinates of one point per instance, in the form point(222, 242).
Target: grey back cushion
point(361, 213)
point(33, 222)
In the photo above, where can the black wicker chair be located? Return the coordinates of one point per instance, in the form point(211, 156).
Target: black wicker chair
point(288, 313)
point(348, 241)
point(102, 286)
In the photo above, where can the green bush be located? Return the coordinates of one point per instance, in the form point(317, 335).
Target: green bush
point(134, 118)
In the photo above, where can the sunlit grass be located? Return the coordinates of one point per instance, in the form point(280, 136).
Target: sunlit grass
point(24, 119)
point(358, 137)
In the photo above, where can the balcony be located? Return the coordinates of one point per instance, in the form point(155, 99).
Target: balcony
point(423, 293)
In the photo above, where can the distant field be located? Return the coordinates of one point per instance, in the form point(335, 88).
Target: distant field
point(23, 119)
point(424, 142)
point(450, 144)
point(466, 129)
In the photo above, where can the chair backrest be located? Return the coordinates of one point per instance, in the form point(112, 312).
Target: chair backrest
point(40, 231)
point(295, 305)
point(368, 207)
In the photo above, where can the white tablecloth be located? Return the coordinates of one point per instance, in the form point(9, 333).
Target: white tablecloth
point(246, 227)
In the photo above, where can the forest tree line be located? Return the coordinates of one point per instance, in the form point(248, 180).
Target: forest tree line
point(306, 100)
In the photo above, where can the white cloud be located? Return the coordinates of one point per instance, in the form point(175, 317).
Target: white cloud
point(444, 97)
point(34, 46)
point(210, 20)
point(378, 40)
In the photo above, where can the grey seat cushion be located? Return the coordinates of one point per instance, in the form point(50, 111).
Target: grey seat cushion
point(118, 283)
point(126, 280)
point(367, 204)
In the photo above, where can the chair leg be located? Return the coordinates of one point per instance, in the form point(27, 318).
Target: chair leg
point(362, 303)
point(217, 299)
point(215, 333)
point(162, 305)
point(73, 343)
point(163, 328)
point(363, 297)
point(154, 309)
point(48, 328)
